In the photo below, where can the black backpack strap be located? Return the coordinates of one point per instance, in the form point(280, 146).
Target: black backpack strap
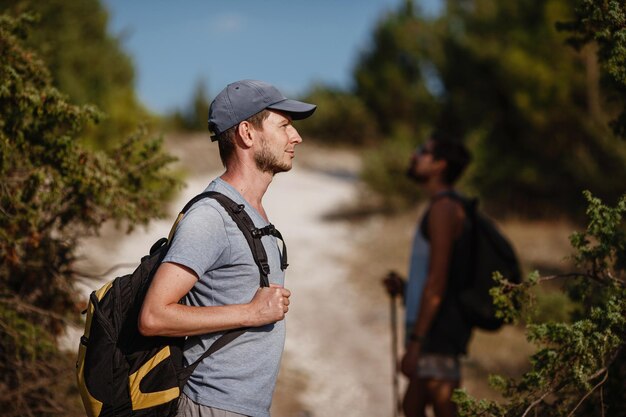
point(253, 236)
point(222, 341)
point(270, 230)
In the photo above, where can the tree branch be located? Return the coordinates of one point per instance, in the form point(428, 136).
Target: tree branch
point(29, 307)
point(602, 399)
point(606, 376)
point(534, 403)
point(591, 276)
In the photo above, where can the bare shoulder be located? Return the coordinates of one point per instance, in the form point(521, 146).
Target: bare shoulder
point(447, 212)
point(447, 207)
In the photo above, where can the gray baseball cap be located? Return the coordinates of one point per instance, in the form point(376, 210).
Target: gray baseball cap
point(243, 99)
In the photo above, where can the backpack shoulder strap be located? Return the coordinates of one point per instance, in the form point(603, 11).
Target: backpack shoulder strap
point(253, 236)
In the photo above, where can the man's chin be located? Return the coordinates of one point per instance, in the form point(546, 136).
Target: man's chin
point(420, 179)
point(281, 168)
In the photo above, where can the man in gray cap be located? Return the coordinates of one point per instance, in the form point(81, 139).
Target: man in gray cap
point(210, 264)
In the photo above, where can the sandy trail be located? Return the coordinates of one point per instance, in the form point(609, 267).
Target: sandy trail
point(331, 333)
point(336, 340)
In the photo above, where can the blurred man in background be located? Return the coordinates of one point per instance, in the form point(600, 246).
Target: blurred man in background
point(436, 332)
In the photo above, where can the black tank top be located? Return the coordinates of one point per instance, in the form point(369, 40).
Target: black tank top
point(449, 332)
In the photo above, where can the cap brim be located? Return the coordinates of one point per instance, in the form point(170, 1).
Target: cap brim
point(296, 109)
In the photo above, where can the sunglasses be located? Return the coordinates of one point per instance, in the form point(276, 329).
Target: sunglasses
point(423, 150)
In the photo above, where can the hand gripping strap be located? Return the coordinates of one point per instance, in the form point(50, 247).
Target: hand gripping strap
point(253, 236)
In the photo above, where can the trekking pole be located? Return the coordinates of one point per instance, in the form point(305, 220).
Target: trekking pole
point(394, 355)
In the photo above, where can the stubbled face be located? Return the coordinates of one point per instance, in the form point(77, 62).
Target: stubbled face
point(421, 163)
point(277, 145)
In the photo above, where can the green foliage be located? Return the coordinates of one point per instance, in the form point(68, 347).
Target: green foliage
point(603, 245)
point(195, 116)
point(53, 191)
point(552, 305)
point(21, 337)
point(34, 374)
point(499, 75)
point(604, 22)
point(340, 118)
point(391, 75)
point(384, 171)
point(580, 366)
point(86, 63)
point(532, 105)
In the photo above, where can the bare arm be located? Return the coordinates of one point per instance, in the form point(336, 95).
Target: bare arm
point(162, 315)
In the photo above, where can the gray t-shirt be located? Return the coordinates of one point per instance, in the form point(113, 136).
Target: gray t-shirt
point(241, 376)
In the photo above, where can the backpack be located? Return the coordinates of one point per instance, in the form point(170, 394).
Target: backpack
point(123, 373)
point(490, 251)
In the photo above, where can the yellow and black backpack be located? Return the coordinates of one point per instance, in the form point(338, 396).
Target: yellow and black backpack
point(122, 373)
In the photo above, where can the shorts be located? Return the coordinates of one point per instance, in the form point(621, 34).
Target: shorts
point(439, 366)
point(189, 408)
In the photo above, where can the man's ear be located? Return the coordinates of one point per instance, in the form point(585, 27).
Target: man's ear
point(245, 133)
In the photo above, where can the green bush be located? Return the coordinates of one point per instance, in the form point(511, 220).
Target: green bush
point(392, 76)
point(195, 116)
point(341, 118)
point(54, 191)
point(86, 63)
point(384, 173)
point(580, 366)
point(552, 305)
point(501, 76)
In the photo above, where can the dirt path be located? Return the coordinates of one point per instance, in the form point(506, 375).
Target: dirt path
point(331, 337)
point(336, 360)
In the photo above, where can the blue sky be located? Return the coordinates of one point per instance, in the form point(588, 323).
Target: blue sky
point(289, 43)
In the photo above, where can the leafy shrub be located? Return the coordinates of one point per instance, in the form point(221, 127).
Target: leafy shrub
point(54, 191)
point(85, 62)
point(580, 367)
point(384, 173)
point(194, 117)
point(340, 118)
point(552, 305)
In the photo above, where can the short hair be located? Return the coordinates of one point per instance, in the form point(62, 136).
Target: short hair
point(226, 139)
point(455, 154)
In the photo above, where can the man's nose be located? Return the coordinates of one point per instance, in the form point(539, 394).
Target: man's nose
point(294, 136)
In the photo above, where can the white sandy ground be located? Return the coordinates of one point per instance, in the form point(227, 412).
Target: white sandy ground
point(330, 336)
point(336, 340)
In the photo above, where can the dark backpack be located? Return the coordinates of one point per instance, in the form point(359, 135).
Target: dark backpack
point(122, 373)
point(490, 252)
